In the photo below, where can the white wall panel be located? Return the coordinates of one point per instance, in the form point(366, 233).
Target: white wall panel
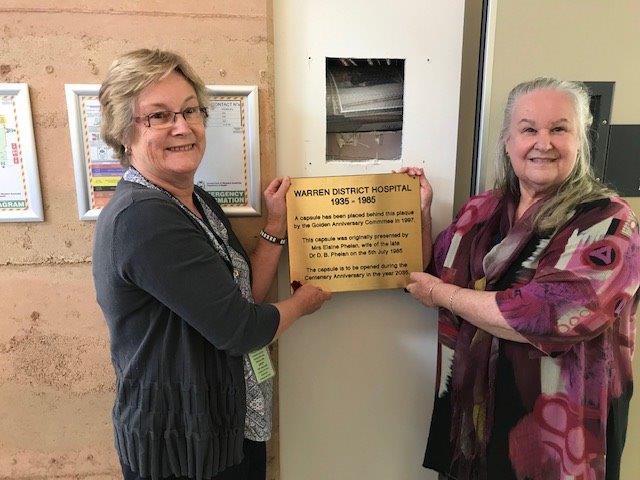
point(357, 378)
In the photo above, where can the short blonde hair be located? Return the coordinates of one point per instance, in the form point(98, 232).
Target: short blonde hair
point(128, 75)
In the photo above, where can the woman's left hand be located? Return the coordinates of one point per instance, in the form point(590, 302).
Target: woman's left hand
point(275, 200)
point(421, 287)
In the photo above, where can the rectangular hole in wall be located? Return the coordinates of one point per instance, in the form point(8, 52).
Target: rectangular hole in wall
point(364, 108)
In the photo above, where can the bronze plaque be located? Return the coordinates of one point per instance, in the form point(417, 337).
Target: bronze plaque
point(358, 232)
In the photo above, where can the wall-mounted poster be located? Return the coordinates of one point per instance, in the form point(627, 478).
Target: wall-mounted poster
point(96, 171)
point(20, 199)
point(230, 169)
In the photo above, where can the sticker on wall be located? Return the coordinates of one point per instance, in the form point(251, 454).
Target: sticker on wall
point(20, 198)
point(364, 108)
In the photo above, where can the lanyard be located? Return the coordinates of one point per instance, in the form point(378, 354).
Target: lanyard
point(204, 224)
point(219, 245)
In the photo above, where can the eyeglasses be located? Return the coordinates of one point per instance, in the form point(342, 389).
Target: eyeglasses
point(165, 118)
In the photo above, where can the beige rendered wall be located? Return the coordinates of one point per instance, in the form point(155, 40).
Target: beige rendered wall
point(55, 374)
point(588, 40)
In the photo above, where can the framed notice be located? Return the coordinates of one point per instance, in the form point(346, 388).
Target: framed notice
point(97, 172)
point(20, 199)
point(230, 169)
point(357, 232)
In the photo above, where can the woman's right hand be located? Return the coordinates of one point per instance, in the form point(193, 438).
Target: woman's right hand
point(426, 196)
point(310, 298)
point(426, 192)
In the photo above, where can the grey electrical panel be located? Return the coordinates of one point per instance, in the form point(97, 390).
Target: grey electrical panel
point(615, 149)
point(601, 102)
point(622, 168)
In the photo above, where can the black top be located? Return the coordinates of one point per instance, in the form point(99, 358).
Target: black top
point(179, 326)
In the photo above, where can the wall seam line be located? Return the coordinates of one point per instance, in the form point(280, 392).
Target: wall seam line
point(147, 13)
point(45, 263)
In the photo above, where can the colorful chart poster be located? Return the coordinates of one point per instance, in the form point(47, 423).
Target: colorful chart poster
point(13, 184)
point(223, 171)
point(103, 171)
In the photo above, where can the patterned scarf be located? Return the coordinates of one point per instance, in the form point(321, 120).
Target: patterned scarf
point(484, 245)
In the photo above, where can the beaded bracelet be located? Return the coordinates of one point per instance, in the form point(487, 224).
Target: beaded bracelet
point(272, 239)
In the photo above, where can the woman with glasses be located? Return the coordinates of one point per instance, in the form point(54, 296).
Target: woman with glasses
point(181, 297)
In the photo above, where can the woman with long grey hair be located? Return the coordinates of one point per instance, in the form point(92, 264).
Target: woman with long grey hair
point(536, 284)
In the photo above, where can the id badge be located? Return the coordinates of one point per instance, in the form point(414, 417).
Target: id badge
point(261, 364)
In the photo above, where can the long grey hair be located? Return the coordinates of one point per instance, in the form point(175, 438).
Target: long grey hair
point(581, 185)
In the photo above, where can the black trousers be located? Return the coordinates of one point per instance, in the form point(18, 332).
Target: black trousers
point(253, 466)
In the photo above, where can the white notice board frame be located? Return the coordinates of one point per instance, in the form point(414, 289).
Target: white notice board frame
point(82, 145)
point(243, 159)
point(232, 157)
point(24, 206)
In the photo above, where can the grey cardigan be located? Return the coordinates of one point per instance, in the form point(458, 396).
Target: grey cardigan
point(179, 326)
